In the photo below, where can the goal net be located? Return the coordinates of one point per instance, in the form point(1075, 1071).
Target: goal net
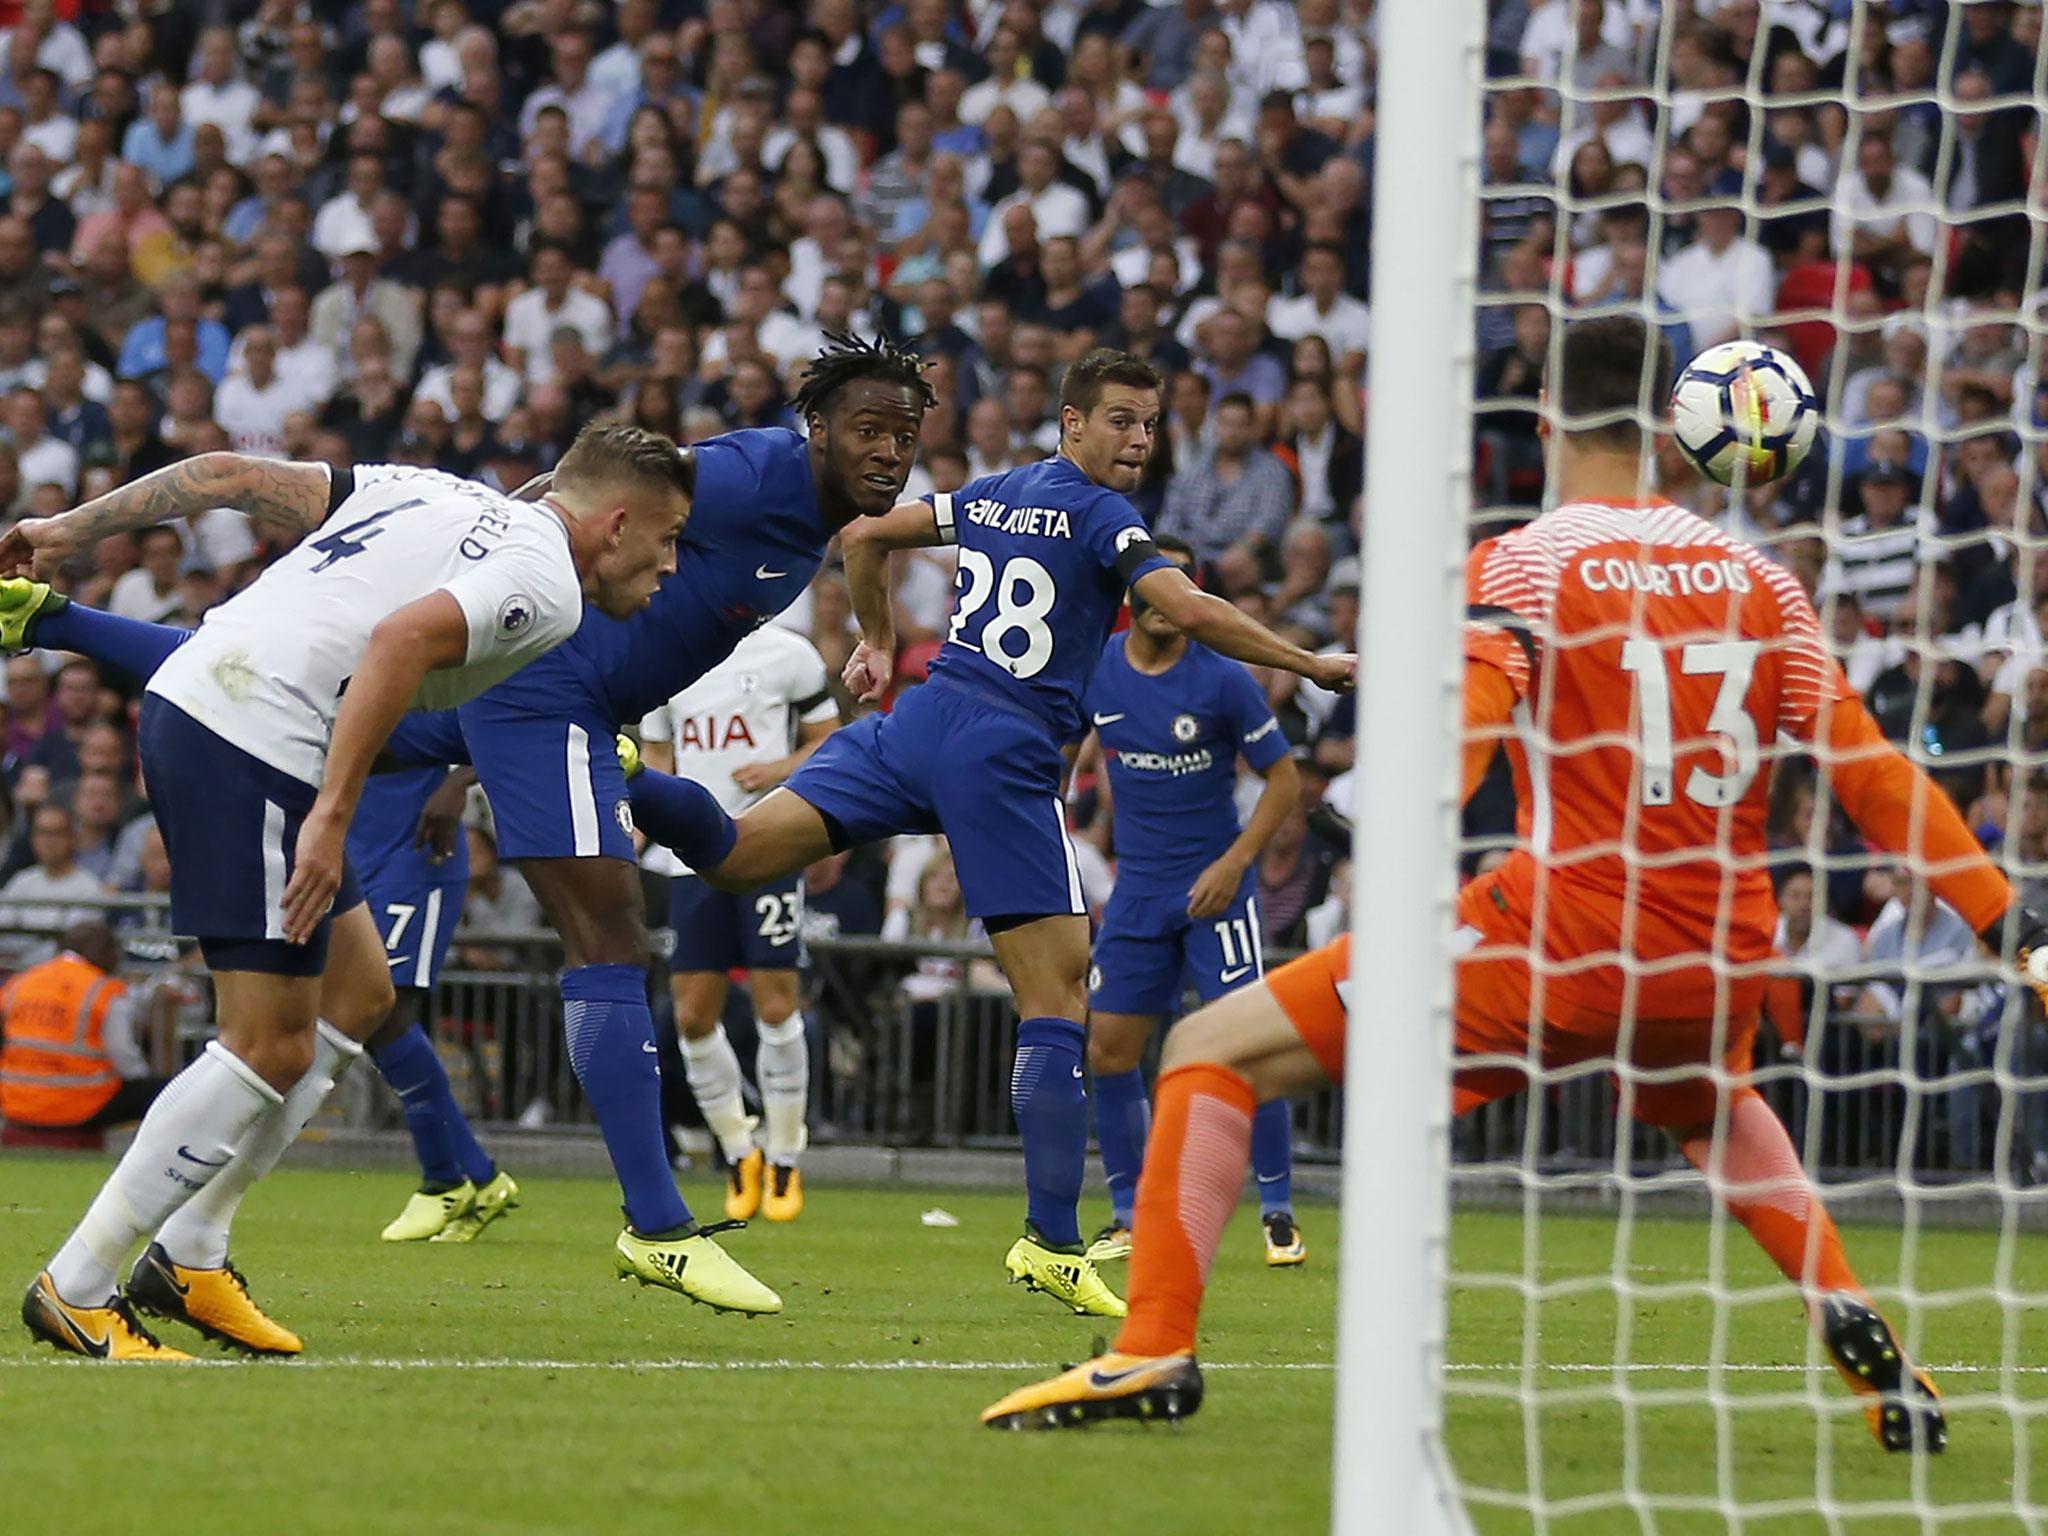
point(1580, 1339)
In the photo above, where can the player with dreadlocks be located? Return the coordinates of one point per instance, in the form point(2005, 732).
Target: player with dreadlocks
point(765, 504)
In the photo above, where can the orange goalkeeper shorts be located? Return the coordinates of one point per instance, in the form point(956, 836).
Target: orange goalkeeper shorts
point(1583, 1021)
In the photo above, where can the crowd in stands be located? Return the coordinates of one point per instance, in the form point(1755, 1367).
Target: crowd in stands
point(451, 232)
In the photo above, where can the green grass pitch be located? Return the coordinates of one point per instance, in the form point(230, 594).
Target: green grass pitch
point(513, 1386)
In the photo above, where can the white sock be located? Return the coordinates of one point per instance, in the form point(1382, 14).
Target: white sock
point(196, 1236)
point(187, 1139)
point(713, 1069)
point(782, 1066)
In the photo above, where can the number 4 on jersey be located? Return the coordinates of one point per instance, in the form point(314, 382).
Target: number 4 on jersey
point(343, 542)
point(1733, 661)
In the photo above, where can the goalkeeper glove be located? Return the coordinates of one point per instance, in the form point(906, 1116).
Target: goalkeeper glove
point(629, 754)
point(2030, 945)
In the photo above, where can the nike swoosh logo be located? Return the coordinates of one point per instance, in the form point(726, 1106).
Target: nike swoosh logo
point(170, 1278)
point(1241, 971)
point(762, 573)
point(99, 1347)
point(648, 1047)
point(1104, 1381)
point(1108, 719)
point(1077, 1071)
point(205, 1162)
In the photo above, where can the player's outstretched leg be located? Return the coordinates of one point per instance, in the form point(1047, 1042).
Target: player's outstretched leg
point(1220, 1062)
point(31, 614)
point(1273, 1172)
point(680, 814)
point(1760, 1180)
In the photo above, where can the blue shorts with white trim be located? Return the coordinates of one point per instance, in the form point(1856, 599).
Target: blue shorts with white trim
point(949, 760)
point(230, 825)
point(1150, 951)
point(548, 764)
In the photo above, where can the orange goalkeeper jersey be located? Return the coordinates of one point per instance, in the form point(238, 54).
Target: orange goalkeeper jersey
point(1658, 666)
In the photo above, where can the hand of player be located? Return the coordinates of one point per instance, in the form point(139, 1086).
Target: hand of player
point(867, 673)
point(1339, 673)
point(441, 819)
point(316, 874)
point(756, 777)
point(2030, 946)
point(1215, 888)
point(35, 545)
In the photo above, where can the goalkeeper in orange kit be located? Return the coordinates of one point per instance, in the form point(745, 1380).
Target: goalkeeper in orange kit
point(1640, 666)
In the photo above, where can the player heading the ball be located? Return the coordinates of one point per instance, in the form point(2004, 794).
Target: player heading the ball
point(408, 588)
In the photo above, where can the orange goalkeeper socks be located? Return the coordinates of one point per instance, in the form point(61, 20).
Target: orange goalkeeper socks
point(1194, 1171)
point(1768, 1192)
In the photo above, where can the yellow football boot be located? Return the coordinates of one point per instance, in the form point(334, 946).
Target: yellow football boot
point(492, 1201)
point(1068, 1277)
point(1904, 1413)
point(111, 1332)
point(22, 602)
point(783, 1199)
point(214, 1301)
point(695, 1266)
point(428, 1212)
point(1159, 1388)
point(743, 1181)
point(1285, 1246)
point(1111, 1243)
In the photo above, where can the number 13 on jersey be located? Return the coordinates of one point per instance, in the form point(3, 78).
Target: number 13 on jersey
point(1734, 662)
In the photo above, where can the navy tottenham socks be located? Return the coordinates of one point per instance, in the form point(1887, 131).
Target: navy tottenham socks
point(682, 815)
point(611, 1046)
point(1050, 1099)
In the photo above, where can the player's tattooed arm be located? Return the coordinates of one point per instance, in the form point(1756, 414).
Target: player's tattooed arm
point(289, 498)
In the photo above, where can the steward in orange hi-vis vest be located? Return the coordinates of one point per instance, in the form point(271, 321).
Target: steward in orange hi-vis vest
point(67, 1039)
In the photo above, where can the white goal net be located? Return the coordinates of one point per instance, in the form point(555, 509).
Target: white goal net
point(1865, 187)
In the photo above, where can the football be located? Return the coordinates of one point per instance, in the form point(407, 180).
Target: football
point(1744, 413)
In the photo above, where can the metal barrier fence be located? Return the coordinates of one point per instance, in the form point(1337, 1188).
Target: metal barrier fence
point(911, 1047)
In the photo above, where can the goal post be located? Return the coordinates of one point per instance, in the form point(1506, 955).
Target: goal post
point(1389, 1466)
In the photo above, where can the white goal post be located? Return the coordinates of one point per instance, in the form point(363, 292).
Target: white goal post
point(1389, 1472)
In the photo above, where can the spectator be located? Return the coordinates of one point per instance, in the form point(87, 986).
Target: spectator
point(44, 459)
point(1323, 308)
point(1234, 365)
point(150, 592)
point(359, 294)
point(43, 897)
point(1723, 285)
point(146, 349)
point(220, 97)
point(1232, 503)
point(1328, 462)
point(553, 301)
point(1883, 212)
point(252, 405)
point(161, 142)
point(1878, 556)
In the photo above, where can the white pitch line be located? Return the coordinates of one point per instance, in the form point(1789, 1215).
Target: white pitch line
point(858, 1367)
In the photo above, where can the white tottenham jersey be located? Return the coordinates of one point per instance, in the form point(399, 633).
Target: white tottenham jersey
point(267, 668)
point(744, 710)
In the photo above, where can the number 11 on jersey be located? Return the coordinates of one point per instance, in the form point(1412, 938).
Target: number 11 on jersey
point(1733, 661)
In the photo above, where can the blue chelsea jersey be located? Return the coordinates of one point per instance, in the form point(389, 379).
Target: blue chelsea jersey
point(1172, 743)
point(1045, 557)
point(753, 542)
